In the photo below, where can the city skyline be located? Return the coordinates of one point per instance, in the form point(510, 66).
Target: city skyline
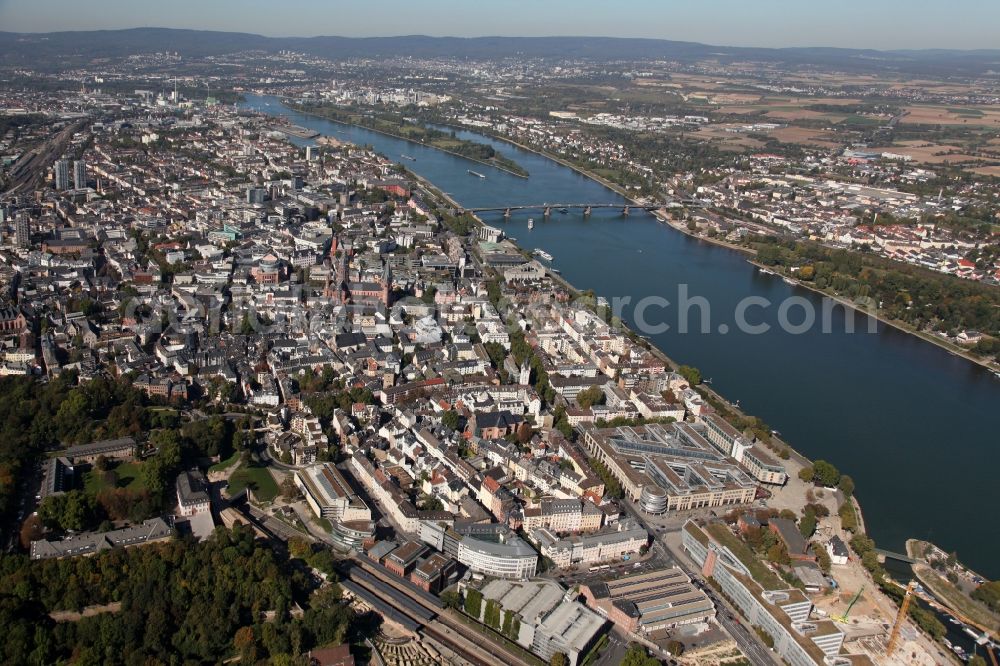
point(883, 25)
point(651, 340)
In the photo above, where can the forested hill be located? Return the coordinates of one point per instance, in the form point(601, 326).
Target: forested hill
point(53, 48)
point(228, 599)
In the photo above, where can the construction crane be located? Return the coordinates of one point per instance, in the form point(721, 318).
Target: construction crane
point(843, 618)
point(900, 618)
point(934, 604)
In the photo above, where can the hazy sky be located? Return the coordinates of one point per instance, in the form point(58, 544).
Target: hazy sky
point(882, 24)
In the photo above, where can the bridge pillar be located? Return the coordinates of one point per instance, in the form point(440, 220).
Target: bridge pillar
point(506, 214)
point(625, 211)
point(587, 211)
point(547, 212)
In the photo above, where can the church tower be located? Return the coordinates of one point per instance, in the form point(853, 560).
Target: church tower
point(333, 249)
point(525, 377)
point(386, 283)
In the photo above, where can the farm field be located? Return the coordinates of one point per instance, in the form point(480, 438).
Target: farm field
point(941, 115)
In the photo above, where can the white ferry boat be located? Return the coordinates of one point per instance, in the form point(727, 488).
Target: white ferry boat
point(543, 254)
point(975, 635)
point(531, 223)
point(476, 173)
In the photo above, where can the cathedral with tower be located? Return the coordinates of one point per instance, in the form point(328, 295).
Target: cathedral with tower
point(341, 290)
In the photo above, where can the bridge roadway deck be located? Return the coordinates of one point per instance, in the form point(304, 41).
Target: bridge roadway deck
point(557, 206)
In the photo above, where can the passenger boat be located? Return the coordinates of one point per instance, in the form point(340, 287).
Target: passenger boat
point(543, 254)
point(476, 173)
point(531, 223)
point(971, 632)
point(409, 157)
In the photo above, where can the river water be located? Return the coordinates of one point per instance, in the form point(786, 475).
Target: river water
point(916, 427)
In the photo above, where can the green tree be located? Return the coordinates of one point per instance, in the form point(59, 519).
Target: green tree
point(778, 554)
point(508, 618)
point(807, 473)
point(158, 471)
point(246, 645)
point(822, 557)
point(74, 510)
point(848, 519)
point(491, 618)
point(172, 590)
point(590, 397)
point(989, 594)
point(432, 503)
point(846, 485)
point(450, 419)
point(451, 599)
point(473, 602)
point(807, 525)
point(559, 659)
point(691, 374)
point(826, 474)
point(926, 620)
point(636, 655)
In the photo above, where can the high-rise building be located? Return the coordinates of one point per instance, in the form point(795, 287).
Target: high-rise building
point(62, 174)
point(79, 174)
point(256, 195)
point(22, 229)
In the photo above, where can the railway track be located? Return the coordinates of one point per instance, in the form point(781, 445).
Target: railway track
point(26, 170)
point(430, 615)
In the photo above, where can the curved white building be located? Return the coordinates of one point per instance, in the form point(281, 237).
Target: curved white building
point(509, 557)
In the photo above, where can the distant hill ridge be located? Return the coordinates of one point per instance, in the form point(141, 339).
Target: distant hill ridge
point(33, 48)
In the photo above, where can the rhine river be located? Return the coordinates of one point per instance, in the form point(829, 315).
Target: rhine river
point(916, 427)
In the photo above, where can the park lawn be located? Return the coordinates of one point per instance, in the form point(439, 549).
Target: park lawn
point(223, 464)
point(257, 478)
point(128, 477)
point(860, 120)
point(954, 597)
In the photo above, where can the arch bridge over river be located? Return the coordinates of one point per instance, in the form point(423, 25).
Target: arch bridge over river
point(587, 208)
point(547, 208)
